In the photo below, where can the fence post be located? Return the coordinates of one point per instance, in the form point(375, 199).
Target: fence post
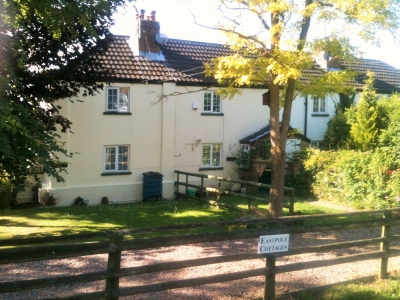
point(219, 191)
point(187, 181)
point(383, 274)
point(269, 287)
point(291, 203)
point(177, 185)
point(113, 263)
point(202, 188)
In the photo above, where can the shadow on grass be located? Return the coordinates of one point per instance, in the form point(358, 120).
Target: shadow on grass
point(78, 219)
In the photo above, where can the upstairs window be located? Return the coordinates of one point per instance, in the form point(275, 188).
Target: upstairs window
point(211, 155)
point(212, 103)
point(117, 99)
point(319, 105)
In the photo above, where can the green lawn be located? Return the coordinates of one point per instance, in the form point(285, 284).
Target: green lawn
point(46, 221)
point(77, 219)
point(377, 290)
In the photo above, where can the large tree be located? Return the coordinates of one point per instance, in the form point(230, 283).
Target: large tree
point(275, 44)
point(48, 55)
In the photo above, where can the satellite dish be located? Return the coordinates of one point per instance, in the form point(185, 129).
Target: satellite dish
point(161, 38)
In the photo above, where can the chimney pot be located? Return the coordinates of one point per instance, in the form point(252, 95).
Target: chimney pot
point(153, 15)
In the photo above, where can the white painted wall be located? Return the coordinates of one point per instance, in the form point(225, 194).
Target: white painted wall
point(161, 136)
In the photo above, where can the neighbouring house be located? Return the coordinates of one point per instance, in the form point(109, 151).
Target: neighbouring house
point(162, 114)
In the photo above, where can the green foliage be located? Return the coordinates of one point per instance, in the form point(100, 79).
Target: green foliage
point(388, 289)
point(65, 220)
point(7, 195)
point(364, 129)
point(246, 159)
point(51, 200)
point(48, 54)
point(338, 131)
point(364, 180)
point(302, 182)
point(278, 53)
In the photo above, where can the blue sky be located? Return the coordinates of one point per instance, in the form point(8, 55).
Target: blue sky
point(176, 21)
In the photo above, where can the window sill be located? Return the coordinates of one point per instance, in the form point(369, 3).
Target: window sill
point(320, 115)
point(211, 114)
point(210, 168)
point(116, 113)
point(115, 173)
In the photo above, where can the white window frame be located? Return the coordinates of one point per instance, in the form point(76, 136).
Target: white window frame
point(215, 103)
point(122, 102)
point(319, 105)
point(214, 158)
point(246, 152)
point(121, 164)
point(245, 147)
point(315, 143)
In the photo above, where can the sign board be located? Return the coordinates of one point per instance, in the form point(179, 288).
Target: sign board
point(273, 243)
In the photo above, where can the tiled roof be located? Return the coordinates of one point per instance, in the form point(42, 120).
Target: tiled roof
point(126, 66)
point(387, 78)
point(189, 57)
point(264, 133)
point(184, 62)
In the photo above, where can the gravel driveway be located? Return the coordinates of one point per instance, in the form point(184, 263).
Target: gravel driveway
point(250, 288)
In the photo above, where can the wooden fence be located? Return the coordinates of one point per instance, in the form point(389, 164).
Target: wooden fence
point(202, 188)
point(54, 248)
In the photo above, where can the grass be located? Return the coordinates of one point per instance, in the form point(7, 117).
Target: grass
point(77, 219)
point(376, 290)
point(302, 206)
point(65, 220)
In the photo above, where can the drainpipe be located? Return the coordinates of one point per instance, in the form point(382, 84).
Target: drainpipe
point(305, 114)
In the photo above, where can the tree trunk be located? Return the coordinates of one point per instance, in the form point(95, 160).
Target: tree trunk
point(277, 154)
point(279, 132)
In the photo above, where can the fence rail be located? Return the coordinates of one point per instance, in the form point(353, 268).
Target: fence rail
point(202, 188)
point(118, 243)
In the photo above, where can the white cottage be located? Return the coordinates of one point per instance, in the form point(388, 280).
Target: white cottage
point(161, 115)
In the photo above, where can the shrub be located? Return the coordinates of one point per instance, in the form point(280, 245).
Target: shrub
point(364, 180)
point(51, 200)
point(7, 196)
point(302, 182)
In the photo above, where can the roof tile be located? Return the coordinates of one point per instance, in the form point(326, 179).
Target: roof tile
point(184, 63)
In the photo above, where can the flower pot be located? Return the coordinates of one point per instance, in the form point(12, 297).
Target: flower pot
point(294, 167)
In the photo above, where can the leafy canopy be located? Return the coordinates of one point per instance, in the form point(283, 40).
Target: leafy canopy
point(48, 54)
point(275, 44)
point(284, 38)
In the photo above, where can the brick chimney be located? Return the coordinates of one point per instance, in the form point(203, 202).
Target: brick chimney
point(148, 30)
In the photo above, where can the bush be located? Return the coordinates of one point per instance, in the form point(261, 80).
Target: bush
point(364, 180)
point(51, 200)
point(302, 182)
point(7, 196)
